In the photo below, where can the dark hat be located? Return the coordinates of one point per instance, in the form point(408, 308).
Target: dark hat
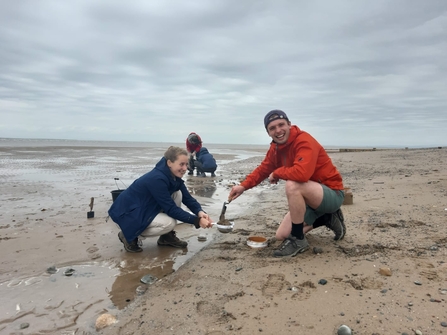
point(274, 115)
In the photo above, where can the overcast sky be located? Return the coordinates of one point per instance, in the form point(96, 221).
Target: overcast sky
point(360, 73)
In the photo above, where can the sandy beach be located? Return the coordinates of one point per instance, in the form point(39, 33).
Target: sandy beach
point(387, 276)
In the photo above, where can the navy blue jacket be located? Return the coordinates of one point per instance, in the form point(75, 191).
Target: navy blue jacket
point(207, 160)
point(135, 208)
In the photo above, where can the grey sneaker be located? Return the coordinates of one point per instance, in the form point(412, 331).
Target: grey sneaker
point(291, 246)
point(337, 225)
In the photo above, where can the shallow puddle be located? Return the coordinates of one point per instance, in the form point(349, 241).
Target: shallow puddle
point(56, 302)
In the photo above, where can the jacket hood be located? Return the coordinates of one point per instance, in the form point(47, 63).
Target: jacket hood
point(294, 132)
point(203, 151)
point(162, 165)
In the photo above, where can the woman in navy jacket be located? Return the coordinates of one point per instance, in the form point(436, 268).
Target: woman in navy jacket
point(205, 163)
point(151, 205)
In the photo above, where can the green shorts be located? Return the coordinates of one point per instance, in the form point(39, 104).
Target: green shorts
point(332, 201)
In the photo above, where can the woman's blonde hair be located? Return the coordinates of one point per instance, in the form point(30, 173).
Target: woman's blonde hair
point(173, 153)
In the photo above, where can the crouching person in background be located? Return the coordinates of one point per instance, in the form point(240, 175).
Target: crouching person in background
point(193, 146)
point(205, 162)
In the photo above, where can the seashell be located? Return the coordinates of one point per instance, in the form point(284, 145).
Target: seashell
point(105, 320)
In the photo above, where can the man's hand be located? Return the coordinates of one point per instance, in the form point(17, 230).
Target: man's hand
point(235, 192)
point(273, 179)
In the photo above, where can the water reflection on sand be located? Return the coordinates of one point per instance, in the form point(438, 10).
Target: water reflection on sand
point(51, 169)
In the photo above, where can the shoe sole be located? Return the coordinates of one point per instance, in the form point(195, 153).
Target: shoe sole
point(171, 245)
point(299, 251)
point(125, 247)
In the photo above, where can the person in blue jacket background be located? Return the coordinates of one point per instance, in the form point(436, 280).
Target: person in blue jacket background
point(205, 162)
point(151, 205)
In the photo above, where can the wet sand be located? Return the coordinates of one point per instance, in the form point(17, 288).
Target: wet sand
point(397, 222)
point(44, 205)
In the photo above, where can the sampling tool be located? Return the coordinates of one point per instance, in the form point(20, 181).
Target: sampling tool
point(91, 214)
point(222, 225)
point(222, 213)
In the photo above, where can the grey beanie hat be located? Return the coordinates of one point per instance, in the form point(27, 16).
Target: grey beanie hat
point(274, 115)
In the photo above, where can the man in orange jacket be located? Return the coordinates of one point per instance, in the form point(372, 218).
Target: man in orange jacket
point(314, 187)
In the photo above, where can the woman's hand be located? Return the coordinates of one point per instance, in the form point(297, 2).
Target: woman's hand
point(205, 220)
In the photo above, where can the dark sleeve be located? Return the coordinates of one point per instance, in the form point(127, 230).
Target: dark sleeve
point(160, 192)
point(189, 201)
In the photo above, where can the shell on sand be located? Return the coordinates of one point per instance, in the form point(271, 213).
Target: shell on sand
point(105, 320)
point(385, 271)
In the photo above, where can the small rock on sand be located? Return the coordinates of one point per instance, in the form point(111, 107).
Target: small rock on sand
point(344, 330)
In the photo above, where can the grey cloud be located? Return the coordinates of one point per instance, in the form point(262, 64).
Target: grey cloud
point(155, 70)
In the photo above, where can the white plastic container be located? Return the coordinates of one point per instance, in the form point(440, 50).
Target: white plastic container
point(257, 242)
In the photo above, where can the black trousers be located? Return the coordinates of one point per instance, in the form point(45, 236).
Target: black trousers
point(191, 164)
point(201, 169)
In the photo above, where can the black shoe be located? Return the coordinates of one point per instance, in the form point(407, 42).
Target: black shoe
point(190, 173)
point(130, 247)
point(323, 220)
point(213, 174)
point(172, 240)
point(337, 225)
point(201, 174)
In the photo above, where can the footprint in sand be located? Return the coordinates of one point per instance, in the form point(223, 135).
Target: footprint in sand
point(428, 271)
point(274, 284)
point(93, 254)
point(366, 283)
point(304, 290)
point(207, 308)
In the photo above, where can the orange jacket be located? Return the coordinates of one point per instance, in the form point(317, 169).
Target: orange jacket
point(300, 159)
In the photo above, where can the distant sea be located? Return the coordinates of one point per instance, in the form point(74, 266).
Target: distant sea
point(150, 151)
point(30, 142)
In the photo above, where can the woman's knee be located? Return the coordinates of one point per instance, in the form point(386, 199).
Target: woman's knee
point(177, 197)
point(171, 225)
point(162, 224)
